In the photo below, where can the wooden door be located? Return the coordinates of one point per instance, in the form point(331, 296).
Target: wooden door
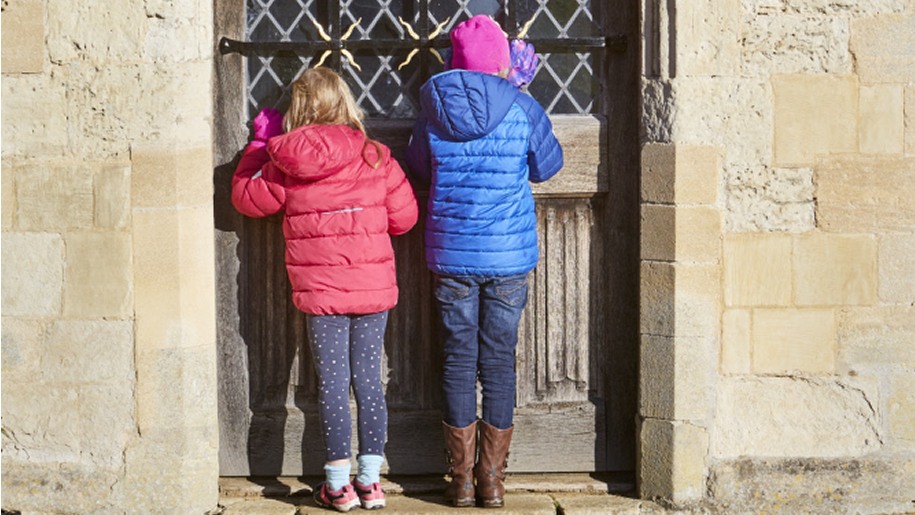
point(575, 404)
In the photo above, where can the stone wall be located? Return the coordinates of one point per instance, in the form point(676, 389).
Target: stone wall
point(803, 397)
point(108, 290)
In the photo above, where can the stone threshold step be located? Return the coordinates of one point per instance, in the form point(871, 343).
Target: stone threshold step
point(581, 483)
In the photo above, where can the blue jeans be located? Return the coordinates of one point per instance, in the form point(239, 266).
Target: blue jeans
point(480, 317)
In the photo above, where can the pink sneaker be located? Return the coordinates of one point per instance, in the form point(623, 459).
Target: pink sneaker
point(371, 496)
point(343, 499)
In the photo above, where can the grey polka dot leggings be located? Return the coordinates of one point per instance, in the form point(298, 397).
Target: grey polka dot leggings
point(347, 351)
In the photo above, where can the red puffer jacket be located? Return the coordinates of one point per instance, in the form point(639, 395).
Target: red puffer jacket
point(339, 213)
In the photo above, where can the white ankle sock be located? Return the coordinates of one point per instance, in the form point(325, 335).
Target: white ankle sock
point(369, 468)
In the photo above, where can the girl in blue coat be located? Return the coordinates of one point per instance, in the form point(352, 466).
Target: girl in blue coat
point(477, 145)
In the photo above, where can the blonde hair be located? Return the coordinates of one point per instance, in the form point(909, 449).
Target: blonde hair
point(320, 96)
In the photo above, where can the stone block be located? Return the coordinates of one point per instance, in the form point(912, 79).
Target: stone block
point(82, 30)
point(882, 46)
point(173, 38)
point(22, 350)
point(107, 422)
point(672, 464)
point(699, 236)
point(174, 278)
point(680, 233)
point(176, 388)
point(96, 351)
point(909, 120)
point(54, 198)
point(157, 276)
point(873, 484)
point(254, 505)
point(658, 232)
point(765, 199)
point(792, 340)
point(675, 377)
point(168, 9)
point(732, 114)
point(577, 504)
point(191, 457)
point(795, 43)
point(896, 268)
point(44, 432)
point(821, 8)
point(680, 300)
point(112, 197)
point(657, 120)
point(61, 487)
point(814, 114)
point(180, 113)
point(657, 299)
point(901, 409)
point(680, 174)
point(834, 270)
point(23, 34)
point(33, 270)
point(757, 269)
point(165, 177)
point(881, 126)
point(98, 276)
point(34, 120)
point(865, 194)
point(8, 201)
point(707, 38)
point(735, 341)
point(171, 111)
point(875, 338)
point(104, 106)
point(659, 165)
point(794, 417)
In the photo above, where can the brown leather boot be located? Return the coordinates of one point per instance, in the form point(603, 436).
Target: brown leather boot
point(490, 469)
point(461, 451)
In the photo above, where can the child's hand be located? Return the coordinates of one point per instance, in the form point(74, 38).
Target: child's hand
point(267, 124)
point(523, 63)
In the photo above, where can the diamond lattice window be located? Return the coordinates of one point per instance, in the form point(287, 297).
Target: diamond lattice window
point(386, 49)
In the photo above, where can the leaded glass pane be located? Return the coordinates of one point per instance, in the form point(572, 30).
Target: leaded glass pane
point(570, 87)
point(380, 89)
point(558, 18)
point(378, 17)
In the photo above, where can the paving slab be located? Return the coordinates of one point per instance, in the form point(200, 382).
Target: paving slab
point(515, 504)
point(574, 504)
point(258, 506)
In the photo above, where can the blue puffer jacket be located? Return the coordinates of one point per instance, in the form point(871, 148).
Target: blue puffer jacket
point(475, 146)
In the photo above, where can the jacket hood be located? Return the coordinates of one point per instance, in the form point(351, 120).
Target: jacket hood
point(313, 152)
point(466, 105)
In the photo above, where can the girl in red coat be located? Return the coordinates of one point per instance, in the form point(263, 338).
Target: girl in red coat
point(342, 196)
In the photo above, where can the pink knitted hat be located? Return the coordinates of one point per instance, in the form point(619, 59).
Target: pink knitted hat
point(479, 44)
